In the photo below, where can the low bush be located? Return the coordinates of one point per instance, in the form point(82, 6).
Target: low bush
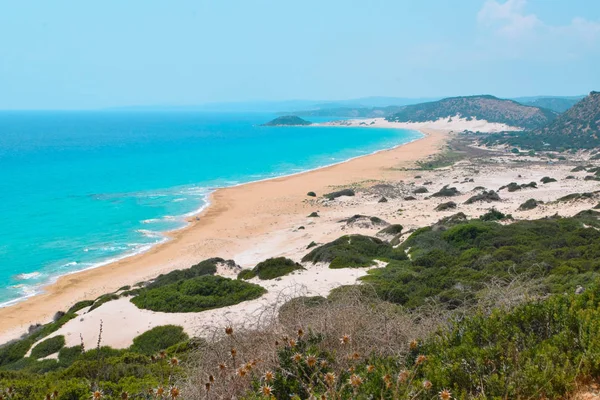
point(495, 215)
point(530, 204)
point(547, 179)
point(311, 194)
point(576, 197)
point(391, 230)
point(314, 214)
point(246, 274)
point(158, 338)
point(206, 267)
point(446, 192)
point(450, 205)
point(48, 346)
point(197, 294)
point(420, 190)
point(105, 298)
point(353, 251)
point(485, 196)
point(339, 193)
point(275, 267)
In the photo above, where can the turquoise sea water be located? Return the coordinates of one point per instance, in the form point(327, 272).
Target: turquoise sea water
point(78, 189)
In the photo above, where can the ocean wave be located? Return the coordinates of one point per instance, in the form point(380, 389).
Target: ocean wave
point(150, 234)
point(28, 276)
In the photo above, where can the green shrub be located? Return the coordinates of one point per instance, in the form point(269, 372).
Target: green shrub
point(446, 192)
point(80, 305)
point(495, 215)
point(485, 196)
point(576, 197)
point(158, 338)
point(311, 194)
point(275, 267)
point(420, 190)
point(48, 346)
point(246, 274)
point(206, 267)
point(392, 230)
point(313, 214)
point(197, 294)
point(547, 179)
point(530, 204)
point(105, 298)
point(353, 251)
point(446, 206)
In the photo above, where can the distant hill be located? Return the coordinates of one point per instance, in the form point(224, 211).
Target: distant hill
point(558, 104)
point(484, 107)
point(288, 120)
point(351, 112)
point(576, 128)
point(579, 125)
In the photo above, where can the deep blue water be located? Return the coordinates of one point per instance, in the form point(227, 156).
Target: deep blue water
point(82, 188)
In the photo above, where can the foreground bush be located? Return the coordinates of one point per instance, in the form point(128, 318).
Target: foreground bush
point(197, 294)
point(158, 338)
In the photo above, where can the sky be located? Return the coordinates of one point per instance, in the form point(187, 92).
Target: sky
point(73, 54)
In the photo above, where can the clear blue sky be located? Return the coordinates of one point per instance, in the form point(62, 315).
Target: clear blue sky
point(77, 54)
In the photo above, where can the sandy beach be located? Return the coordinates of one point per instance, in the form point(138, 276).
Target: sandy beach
point(256, 221)
point(250, 222)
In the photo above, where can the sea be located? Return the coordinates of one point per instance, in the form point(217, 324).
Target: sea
point(82, 189)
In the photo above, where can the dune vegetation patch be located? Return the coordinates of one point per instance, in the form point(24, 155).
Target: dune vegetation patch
point(353, 251)
point(197, 294)
point(158, 338)
point(275, 268)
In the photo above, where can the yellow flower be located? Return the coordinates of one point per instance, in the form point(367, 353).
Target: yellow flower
point(311, 360)
point(248, 366)
point(427, 385)
point(323, 363)
point(388, 381)
point(421, 359)
point(330, 378)
point(124, 396)
point(355, 380)
point(162, 354)
point(403, 376)
point(207, 386)
point(160, 391)
point(355, 356)
point(266, 390)
point(297, 357)
point(211, 379)
point(233, 352)
point(229, 331)
point(445, 395)
point(241, 372)
point(269, 376)
point(174, 361)
point(292, 343)
point(97, 395)
point(222, 366)
point(414, 344)
point(370, 368)
point(345, 339)
point(300, 333)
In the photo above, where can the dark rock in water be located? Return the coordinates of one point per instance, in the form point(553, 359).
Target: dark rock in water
point(484, 196)
point(410, 198)
point(288, 120)
point(446, 192)
point(446, 206)
point(420, 190)
point(383, 200)
point(339, 193)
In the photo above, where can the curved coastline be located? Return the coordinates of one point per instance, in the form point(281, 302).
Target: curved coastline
point(182, 248)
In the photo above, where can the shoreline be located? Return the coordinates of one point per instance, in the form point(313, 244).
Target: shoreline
point(182, 249)
point(190, 218)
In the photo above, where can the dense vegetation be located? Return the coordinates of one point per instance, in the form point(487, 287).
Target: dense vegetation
point(558, 104)
point(197, 294)
point(536, 350)
point(157, 339)
point(451, 263)
point(271, 269)
point(487, 108)
point(48, 346)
